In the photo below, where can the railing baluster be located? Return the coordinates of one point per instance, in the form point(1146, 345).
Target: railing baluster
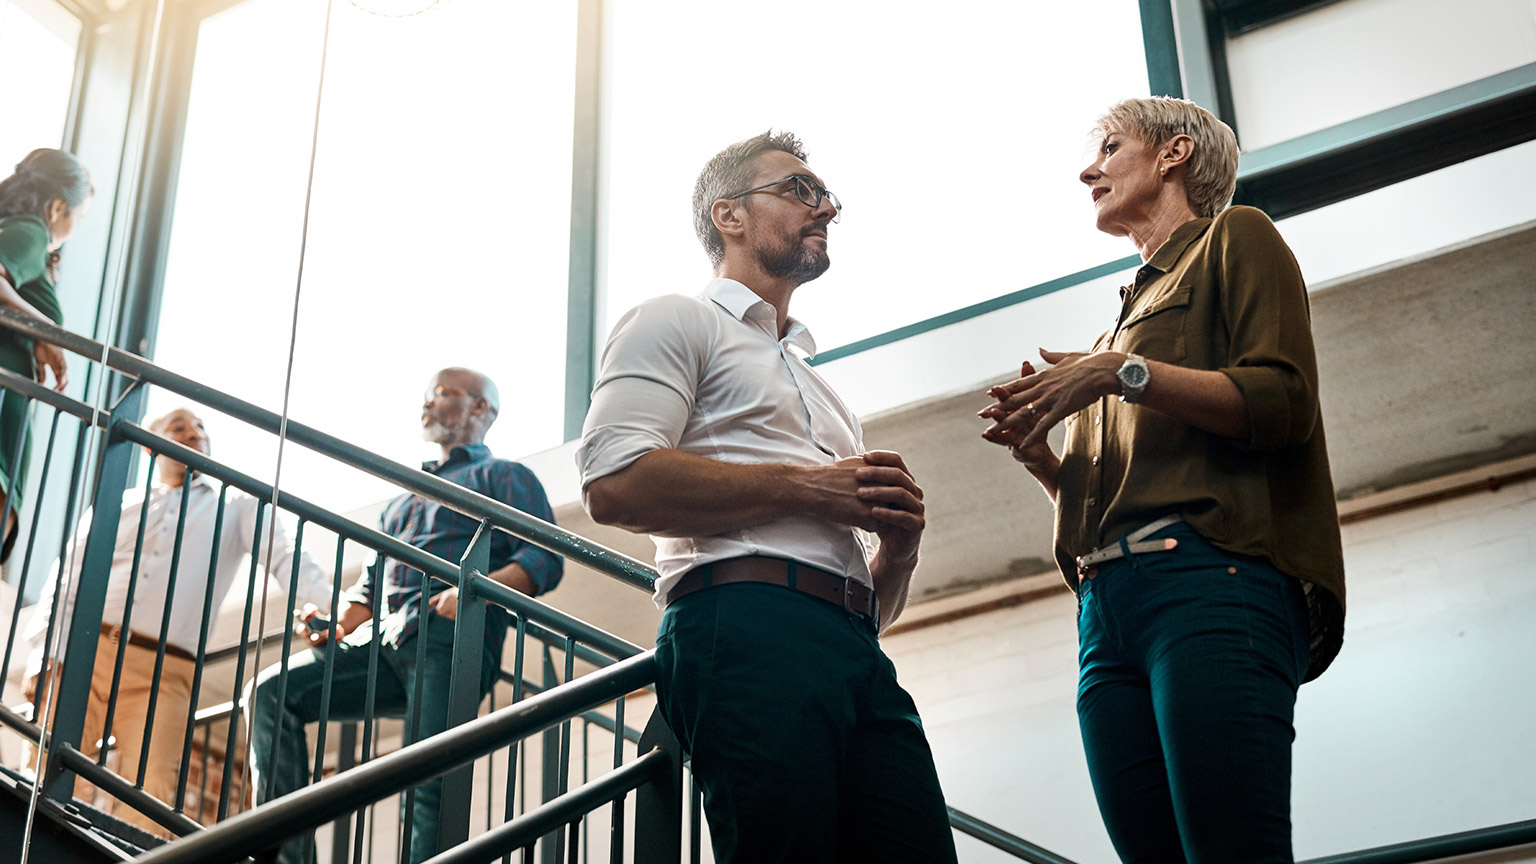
point(564, 777)
point(346, 753)
point(238, 696)
point(324, 722)
point(122, 641)
point(370, 694)
point(202, 638)
point(586, 825)
point(616, 818)
point(549, 761)
point(412, 732)
point(464, 684)
point(165, 627)
point(202, 777)
point(282, 662)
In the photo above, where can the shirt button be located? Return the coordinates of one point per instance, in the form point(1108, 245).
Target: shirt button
point(1093, 502)
point(1095, 460)
point(1097, 419)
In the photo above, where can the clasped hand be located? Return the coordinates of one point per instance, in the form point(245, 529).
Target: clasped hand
point(877, 492)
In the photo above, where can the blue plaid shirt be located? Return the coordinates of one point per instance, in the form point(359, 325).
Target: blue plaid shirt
point(446, 533)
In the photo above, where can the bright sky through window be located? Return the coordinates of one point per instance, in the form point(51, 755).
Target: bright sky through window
point(440, 217)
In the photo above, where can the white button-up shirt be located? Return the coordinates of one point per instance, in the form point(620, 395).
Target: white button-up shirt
point(236, 540)
point(708, 375)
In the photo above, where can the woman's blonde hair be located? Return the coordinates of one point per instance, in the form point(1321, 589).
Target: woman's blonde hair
point(1210, 175)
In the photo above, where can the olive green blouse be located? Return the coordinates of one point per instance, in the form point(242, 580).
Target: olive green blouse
point(1222, 294)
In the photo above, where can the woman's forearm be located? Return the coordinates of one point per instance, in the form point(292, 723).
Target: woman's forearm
point(12, 299)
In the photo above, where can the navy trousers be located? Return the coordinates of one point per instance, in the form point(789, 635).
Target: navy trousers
point(806, 748)
point(1190, 661)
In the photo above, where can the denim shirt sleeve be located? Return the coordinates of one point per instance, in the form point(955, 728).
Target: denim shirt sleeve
point(522, 490)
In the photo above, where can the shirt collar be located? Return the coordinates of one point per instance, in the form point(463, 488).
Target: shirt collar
point(745, 306)
point(1170, 252)
point(460, 453)
point(201, 481)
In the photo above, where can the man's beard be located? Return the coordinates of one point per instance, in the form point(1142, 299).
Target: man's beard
point(436, 432)
point(794, 262)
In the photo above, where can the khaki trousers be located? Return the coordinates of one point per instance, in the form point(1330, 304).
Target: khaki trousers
point(130, 722)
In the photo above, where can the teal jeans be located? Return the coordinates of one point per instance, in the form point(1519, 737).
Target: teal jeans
point(280, 749)
point(1190, 661)
point(806, 748)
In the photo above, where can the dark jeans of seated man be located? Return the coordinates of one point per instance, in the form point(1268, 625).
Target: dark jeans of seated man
point(805, 746)
point(288, 767)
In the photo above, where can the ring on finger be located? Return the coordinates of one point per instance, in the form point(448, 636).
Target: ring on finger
point(1031, 409)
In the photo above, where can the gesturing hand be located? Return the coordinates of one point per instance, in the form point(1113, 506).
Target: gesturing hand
point(1028, 408)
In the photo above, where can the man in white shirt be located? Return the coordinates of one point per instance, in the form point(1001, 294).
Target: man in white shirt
point(140, 641)
point(783, 547)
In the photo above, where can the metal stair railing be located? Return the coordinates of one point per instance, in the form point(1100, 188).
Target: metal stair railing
point(573, 638)
point(615, 564)
point(309, 808)
point(585, 641)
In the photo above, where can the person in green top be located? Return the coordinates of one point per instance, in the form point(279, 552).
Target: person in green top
point(40, 206)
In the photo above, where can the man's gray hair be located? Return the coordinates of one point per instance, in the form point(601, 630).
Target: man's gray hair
point(1210, 175)
point(729, 172)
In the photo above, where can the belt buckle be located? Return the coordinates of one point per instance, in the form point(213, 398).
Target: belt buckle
point(848, 597)
point(1086, 570)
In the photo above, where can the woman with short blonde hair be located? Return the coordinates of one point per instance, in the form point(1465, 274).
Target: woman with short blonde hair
point(1195, 513)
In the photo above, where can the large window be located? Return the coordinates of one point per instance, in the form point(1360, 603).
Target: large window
point(954, 134)
point(38, 39)
point(438, 225)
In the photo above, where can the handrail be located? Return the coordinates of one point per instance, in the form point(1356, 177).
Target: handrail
point(391, 546)
point(515, 522)
point(997, 838)
point(108, 780)
point(1504, 836)
point(53, 398)
point(313, 806)
point(556, 812)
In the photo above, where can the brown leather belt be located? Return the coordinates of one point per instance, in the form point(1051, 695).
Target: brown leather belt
point(851, 596)
point(114, 632)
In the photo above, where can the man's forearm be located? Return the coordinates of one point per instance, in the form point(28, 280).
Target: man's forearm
point(892, 579)
point(676, 494)
point(515, 577)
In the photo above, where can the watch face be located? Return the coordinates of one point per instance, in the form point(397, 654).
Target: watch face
point(1134, 375)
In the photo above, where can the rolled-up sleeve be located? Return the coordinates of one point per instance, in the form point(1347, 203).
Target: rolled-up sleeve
point(524, 492)
point(646, 384)
point(1264, 305)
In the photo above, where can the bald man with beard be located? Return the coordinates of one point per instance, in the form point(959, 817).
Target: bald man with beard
point(457, 409)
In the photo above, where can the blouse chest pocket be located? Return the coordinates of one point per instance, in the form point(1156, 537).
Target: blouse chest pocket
point(1155, 328)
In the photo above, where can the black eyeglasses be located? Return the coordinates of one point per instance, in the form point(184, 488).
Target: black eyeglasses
point(807, 190)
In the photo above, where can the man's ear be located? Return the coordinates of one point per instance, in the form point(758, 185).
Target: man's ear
point(727, 216)
point(1176, 152)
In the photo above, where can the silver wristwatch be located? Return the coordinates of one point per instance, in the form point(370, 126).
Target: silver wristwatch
point(1133, 375)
